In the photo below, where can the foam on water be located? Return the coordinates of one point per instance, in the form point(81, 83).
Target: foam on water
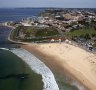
point(39, 67)
point(4, 49)
point(80, 87)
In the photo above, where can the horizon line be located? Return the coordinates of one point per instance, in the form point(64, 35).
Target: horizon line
point(50, 7)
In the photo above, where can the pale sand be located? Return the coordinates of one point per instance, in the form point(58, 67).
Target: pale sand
point(64, 57)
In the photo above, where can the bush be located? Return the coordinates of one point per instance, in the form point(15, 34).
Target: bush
point(94, 45)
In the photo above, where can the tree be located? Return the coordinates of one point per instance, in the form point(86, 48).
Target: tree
point(28, 32)
point(93, 35)
point(87, 36)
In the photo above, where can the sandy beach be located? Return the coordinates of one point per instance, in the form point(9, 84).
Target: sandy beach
point(77, 62)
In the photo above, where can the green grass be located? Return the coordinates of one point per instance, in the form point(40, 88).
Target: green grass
point(40, 32)
point(46, 32)
point(80, 32)
point(34, 33)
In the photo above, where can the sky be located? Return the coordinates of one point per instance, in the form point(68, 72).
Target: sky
point(48, 3)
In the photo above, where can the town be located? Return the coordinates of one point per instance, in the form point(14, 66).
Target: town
point(57, 25)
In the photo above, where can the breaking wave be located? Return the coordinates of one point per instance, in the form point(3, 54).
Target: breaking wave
point(39, 67)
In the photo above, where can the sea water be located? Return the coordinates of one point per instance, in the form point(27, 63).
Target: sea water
point(16, 14)
point(39, 67)
point(11, 67)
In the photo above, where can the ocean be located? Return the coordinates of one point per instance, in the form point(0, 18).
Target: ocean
point(12, 71)
point(11, 66)
point(22, 70)
point(16, 14)
point(15, 74)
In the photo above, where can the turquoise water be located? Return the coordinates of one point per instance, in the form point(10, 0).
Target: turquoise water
point(16, 75)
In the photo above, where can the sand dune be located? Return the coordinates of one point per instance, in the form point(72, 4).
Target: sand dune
point(76, 61)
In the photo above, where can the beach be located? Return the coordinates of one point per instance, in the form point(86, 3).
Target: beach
point(69, 60)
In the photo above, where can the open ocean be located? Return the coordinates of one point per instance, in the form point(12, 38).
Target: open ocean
point(12, 67)
point(16, 14)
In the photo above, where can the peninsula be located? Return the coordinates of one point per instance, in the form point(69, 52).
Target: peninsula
point(65, 40)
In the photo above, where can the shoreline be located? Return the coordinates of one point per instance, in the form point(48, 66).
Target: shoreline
point(38, 51)
point(38, 67)
point(56, 65)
